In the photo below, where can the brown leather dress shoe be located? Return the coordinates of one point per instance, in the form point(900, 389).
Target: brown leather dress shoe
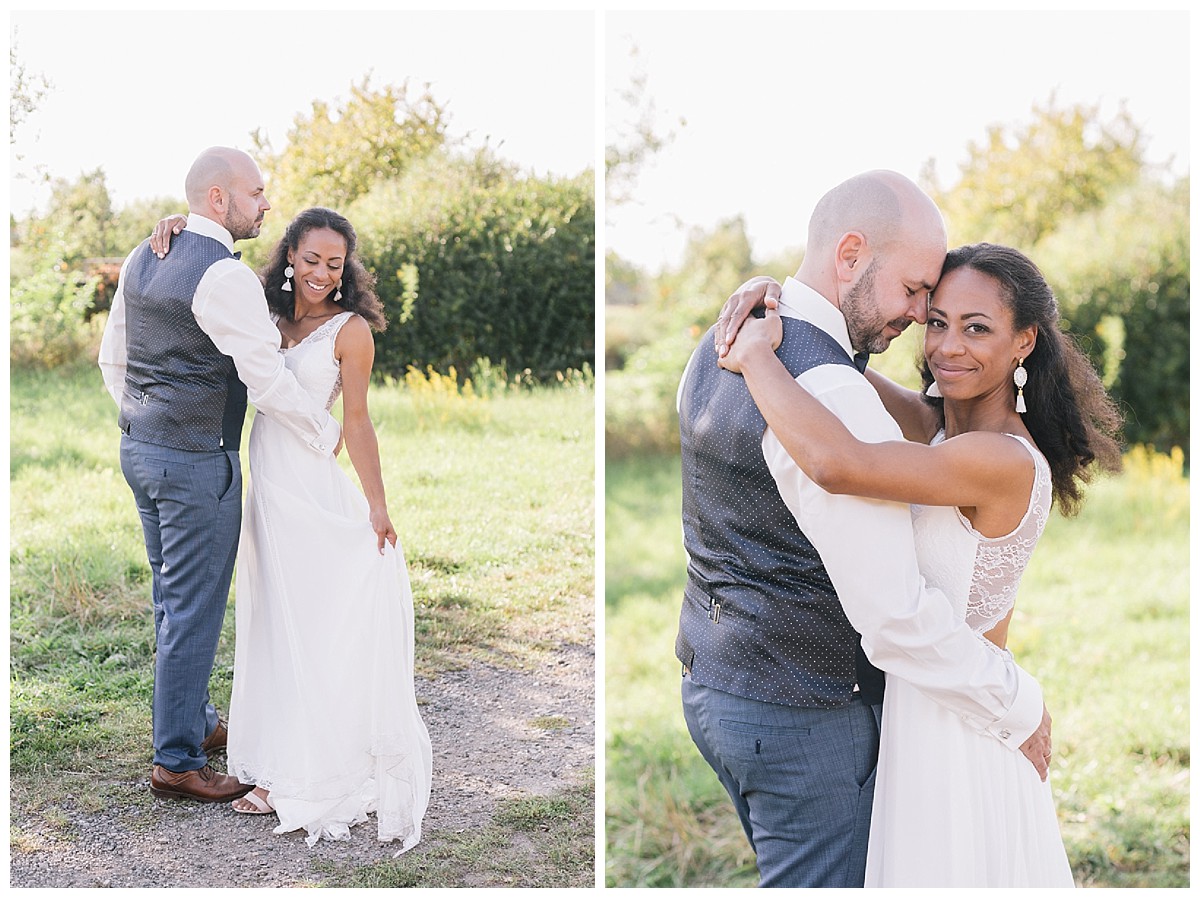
point(204, 784)
point(216, 740)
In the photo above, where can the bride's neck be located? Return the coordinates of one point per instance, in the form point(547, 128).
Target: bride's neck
point(975, 414)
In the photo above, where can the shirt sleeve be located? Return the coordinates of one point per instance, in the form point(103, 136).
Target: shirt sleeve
point(909, 629)
point(114, 355)
point(230, 307)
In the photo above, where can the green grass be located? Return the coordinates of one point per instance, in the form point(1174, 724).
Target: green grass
point(1102, 621)
point(531, 842)
point(493, 499)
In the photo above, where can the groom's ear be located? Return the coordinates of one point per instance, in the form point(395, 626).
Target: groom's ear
point(216, 198)
point(851, 256)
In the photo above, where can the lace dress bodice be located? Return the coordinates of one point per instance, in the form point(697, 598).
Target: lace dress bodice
point(980, 574)
point(313, 362)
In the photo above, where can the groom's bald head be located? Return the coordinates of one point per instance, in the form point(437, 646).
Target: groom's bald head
point(885, 207)
point(226, 186)
point(215, 167)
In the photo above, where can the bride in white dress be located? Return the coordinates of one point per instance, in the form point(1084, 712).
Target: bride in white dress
point(323, 716)
point(1017, 421)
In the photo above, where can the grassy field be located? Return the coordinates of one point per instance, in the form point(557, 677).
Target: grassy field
point(1102, 621)
point(494, 501)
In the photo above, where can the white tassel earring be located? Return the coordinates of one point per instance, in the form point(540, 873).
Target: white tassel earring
point(287, 275)
point(337, 297)
point(932, 391)
point(1020, 378)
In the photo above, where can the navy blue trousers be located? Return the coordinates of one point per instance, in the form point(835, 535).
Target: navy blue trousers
point(190, 504)
point(801, 779)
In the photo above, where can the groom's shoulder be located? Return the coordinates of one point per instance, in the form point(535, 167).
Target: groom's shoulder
point(805, 345)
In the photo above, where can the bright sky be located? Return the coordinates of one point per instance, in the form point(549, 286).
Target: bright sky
point(779, 107)
point(140, 94)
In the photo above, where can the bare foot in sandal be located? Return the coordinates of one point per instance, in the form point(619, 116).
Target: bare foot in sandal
point(256, 802)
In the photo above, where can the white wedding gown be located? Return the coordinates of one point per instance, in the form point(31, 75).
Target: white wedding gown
point(323, 711)
point(953, 806)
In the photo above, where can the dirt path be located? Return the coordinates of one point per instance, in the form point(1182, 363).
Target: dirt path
point(486, 747)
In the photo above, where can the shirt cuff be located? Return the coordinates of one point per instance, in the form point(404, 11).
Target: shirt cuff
point(1025, 715)
point(326, 441)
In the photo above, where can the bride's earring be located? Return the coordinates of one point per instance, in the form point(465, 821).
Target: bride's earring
point(287, 275)
point(337, 297)
point(932, 391)
point(1020, 378)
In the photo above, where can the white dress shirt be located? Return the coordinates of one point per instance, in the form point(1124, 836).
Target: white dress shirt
point(230, 307)
point(908, 629)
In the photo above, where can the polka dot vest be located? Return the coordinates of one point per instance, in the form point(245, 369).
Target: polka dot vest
point(180, 391)
point(760, 617)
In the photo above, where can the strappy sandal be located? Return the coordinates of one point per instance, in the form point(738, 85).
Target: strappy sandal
point(261, 805)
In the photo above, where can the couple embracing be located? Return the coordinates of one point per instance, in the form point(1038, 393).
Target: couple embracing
point(810, 577)
point(323, 722)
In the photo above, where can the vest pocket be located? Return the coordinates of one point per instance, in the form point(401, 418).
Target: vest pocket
point(738, 603)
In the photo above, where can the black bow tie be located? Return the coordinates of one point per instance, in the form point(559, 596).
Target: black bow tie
point(860, 361)
point(238, 255)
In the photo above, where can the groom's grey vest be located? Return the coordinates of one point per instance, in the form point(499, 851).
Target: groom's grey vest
point(180, 391)
point(760, 616)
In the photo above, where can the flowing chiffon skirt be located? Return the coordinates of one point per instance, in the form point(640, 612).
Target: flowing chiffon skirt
point(955, 807)
point(323, 712)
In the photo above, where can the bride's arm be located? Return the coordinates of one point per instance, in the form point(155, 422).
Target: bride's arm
point(356, 351)
point(918, 420)
point(970, 470)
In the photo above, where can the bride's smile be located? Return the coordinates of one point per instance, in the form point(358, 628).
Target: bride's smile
point(318, 261)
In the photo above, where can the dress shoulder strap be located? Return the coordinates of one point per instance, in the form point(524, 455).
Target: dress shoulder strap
point(335, 324)
point(328, 330)
point(1040, 495)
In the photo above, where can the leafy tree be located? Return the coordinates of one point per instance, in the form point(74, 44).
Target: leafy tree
point(626, 290)
point(78, 220)
point(624, 282)
point(663, 331)
point(48, 318)
point(25, 91)
point(135, 221)
point(77, 225)
point(1123, 279)
point(64, 266)
point(634, 136)
point(52, 290)
point(334, 156)
point(1016, 187)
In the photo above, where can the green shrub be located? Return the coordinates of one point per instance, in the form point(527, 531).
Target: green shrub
point(1128, 298)
point(476, 261)
point(48, 325)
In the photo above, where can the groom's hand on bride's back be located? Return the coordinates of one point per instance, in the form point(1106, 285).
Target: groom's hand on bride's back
point(1037, 747)
point(758, 292)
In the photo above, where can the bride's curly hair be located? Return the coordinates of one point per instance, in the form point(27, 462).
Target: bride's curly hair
point(1071, 418)
point(358, 284)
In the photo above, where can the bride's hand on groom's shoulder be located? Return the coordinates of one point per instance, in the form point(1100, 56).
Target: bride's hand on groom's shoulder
point(160, 240)
point(756, 293)
point(760, 337)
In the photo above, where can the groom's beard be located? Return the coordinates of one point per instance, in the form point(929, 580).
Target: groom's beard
point(864, 322)
point(241, 227)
